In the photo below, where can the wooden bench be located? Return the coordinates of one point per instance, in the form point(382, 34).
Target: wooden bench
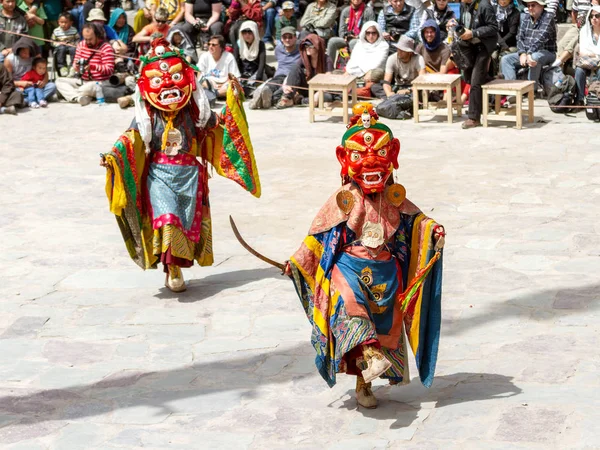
point(330, 82)
point(437, 82)
point(517, 88)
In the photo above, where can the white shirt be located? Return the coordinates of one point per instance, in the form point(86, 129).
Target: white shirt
point(218, 71)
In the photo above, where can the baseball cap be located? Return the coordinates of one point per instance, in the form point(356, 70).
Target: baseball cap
point(287, 5)
point(288, 30)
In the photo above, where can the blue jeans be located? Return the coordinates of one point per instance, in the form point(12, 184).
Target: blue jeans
point(36, 95)
point(269, 15)
point(581, 78)
point(510, 64)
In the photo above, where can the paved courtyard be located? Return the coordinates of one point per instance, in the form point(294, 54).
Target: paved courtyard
point(97, 354)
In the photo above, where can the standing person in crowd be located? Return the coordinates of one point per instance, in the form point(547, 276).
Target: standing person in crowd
point(313, 61)
point(99, 65)
point(269, 13)
point(97, 17)
point(53, 10)
point(216, 65)
point(536, 43)
point(440, 12)
point(64, 40)
point(10, 97)
point(34, 91)
point(351, 21)
point(589, 51)
point(11, 19)
point(36, 18)
point(287, 18)
point(398, 19)
point(203, 16)
point(118, 22)
point(240, 11)
point(434, 51)
point(370, 52)
point(319, 18)
point(287, 55)
point(159, 26)
point(508, 17)
point(478, 34)
point(250, 55)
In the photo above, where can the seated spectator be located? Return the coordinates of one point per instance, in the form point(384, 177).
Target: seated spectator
point(240, 11)
point(11, 19)
point(250, 56)
point(435, 53)
point(158, 28)
point(64, 40)
point(287, 55)
point(313, 61)
point(97, 17)
point(269, 14)
point(351, 21)
point(142, 18)
point(536, 43)
point(10, 97)
point(319, 18)
point(203, 16)
point(398, 19)
point(440, 12)
point(216, 65)
point(175, 10)
point(370, 52)
point(401, 69)
point(508, 17)
point(286, 18)
point(20, 62)
point(569, 41)
point(118, 22)
point(36, 18)
point(588, 62)
point(180, 39)
point(99, 65)
point(35, 96)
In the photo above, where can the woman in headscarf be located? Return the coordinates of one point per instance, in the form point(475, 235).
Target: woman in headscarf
point(440, 12)
point(250, 53)
point(370, 52)
point(509, 19)
point(435, 53)
point(118, 22)
point(313, 61)
point(588, 62)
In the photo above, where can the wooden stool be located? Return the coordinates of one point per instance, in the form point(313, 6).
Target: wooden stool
point(437, 82)
point(330, 82)
point(507, 87)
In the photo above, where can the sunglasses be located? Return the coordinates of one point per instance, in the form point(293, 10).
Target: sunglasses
point(247, 31)
point(161, 21)
point(371, 33)
point(287, 36)
point(213, 45)
point(595, 16)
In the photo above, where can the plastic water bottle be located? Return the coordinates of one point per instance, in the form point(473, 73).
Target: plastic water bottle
point(99, 94)
point(560, 79)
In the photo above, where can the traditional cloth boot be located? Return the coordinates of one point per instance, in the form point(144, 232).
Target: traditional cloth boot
point(377, 363)
point(175, 281)
point(364, 394)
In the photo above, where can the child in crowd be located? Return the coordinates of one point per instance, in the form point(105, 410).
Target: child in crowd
point(64, 40)
point(34, 94)
point(286, 18)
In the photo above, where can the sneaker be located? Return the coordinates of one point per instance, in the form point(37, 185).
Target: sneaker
point(256, 101)
point(470, 123)
point(43, 103)
point(266, 97)
point(269, 46)
point(64, 72)
point(10, 110)
point(85, 100)
point(34, 105)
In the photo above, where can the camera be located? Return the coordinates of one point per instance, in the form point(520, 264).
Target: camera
point(199, 25)
point(395, 34)
point(459, 30)
point(81, 63)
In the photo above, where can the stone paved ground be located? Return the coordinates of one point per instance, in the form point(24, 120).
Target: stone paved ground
point(95, 354)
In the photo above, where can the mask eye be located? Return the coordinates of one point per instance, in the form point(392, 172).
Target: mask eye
point(155, 82)
point(177, 76)
point(354, 156)
point(382, 152)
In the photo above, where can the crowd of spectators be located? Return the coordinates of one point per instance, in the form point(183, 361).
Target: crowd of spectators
point(387, 45)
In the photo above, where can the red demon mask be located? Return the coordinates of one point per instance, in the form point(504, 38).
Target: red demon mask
point(369, 152)
point(167, 80)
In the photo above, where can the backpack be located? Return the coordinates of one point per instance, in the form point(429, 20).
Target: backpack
point(398, 106)
point(560, 97)
point(342, 57)
point(592, 114)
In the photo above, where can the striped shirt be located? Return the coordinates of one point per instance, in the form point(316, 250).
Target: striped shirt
point(101, 61)
point(60, 36)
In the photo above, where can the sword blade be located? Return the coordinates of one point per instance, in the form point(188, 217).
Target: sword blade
point(250, 249)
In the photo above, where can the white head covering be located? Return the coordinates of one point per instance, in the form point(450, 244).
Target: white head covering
point(366, 56)
point(249, 53)
point(586, 42)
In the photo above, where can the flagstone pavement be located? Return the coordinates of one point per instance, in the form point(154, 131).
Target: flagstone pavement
point(96, 354)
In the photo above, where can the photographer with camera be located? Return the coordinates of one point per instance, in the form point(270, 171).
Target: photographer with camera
point(202, 16)
point(476, 37)
point(399, 19)
point(351, 20)
point(94, 62)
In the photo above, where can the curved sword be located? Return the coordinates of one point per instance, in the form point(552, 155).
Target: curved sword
point(251, 250)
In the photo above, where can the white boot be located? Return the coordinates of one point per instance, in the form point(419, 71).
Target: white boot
point(377, 363)
point(364, 394)
point(175, 281)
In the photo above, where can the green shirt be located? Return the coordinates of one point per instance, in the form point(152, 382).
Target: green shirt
point(35, 30)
